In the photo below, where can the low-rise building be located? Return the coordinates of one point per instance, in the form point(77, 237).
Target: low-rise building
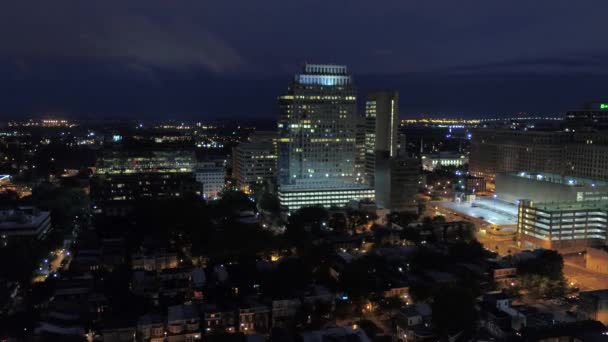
point(410, 317)
point(475, 184)
point(504, 273)
point(295, 198)
point(562, 225)
point(254, 318)
point(154, 259)
point(183, 323)
point(219, 319)
point(443, 159)
point(284, 310)
point(24, 222)
point(354, 334)
point(151, 328)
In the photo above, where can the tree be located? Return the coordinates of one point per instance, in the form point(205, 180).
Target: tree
point(306, 222)
point(358, 218)
point(345, 309)
point(8, 199)
point(454, 312)
point(411, 234)
point(390, 305)
point(468, 251)
point(270, 203)
point(233, 201)
point(425, 259)
point(63, 203)
point(292, 274)
point(337, 221)
point(542, 275)
point(358, 278)
point(546, 263)
point(403, 218)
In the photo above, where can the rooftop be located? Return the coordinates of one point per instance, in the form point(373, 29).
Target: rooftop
point(491, 210)
point(564, 206)
point(559, 179)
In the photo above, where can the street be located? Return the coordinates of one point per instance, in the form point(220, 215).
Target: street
point(51, 265)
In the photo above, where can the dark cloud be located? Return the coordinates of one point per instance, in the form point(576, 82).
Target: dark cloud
point(68, 31)
point(200, 57)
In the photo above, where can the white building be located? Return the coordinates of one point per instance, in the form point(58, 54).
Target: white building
point(443, 159)
point(327, 198)
point(211, 174)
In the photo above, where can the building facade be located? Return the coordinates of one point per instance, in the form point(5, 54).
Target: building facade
point(140, 171)
point(577, 154)
point(431, 162)
point(593, 117)
point(381, 128)
point(254, 163)
point(562, 225)
point(317, 133)
point(360, 150)
point(145, 159)
point(546, 187)
point(24, 222)
point(212, 176)
point(295, 200)
point(396, 183)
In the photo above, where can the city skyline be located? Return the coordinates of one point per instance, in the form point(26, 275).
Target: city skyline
point(404, 171)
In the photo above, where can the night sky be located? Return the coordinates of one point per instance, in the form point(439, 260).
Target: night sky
point(208, 59)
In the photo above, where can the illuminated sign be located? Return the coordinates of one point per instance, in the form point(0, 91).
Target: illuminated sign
point(603, 105)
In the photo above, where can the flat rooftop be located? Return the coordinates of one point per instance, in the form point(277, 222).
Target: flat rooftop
point(486, 209)
point(558, 179)
point(565, 206)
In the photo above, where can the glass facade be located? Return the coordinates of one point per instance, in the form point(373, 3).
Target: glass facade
point(316, 144)
point(295, 200)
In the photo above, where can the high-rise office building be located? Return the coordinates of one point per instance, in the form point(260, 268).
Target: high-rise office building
point(593, 117)
point(360, 150)
point(397, 180)
point(577, 154)
point(134, 171)
point(402, 145)
point(317, 133)
point(255, 161)
point(381, 129)
point(134, 159)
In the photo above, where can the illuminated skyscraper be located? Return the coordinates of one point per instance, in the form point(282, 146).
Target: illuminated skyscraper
point(360, 149)
point(316, 145)
point(255, 161)
point(381, 129)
